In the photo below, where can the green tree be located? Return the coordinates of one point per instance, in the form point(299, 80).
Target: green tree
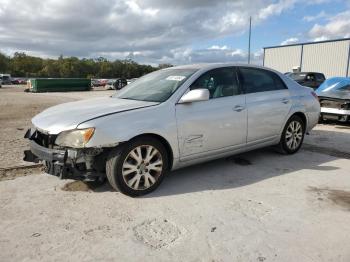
point(23, 65)
point(161, 66)
point(50, 69)
point(105, 69)
point(4, 63)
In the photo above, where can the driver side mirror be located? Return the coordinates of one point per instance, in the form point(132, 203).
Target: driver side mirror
point(195, 95)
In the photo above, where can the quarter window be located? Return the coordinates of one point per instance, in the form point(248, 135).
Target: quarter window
point(220, 82)
point(258, 80)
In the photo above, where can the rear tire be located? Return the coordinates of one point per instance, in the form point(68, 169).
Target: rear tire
point(138, 167)
point(292, 136)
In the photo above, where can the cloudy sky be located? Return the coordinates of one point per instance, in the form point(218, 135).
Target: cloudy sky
point(166, 31)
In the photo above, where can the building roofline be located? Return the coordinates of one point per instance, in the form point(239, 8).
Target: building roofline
point(308, 43)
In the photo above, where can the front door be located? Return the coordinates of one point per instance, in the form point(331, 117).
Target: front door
point(216, 125)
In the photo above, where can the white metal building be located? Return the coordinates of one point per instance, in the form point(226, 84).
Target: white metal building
point(332, 58)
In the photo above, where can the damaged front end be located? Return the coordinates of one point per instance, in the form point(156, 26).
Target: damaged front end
point(335, 108)
point(87, 164)
point(334, 96)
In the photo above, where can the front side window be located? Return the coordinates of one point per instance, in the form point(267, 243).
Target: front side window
point(157, 86)
point(220, 82)
point(258, 80)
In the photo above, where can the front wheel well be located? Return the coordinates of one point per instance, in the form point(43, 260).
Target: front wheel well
point(165, 144)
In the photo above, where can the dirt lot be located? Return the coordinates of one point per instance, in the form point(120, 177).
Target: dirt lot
point(16, 110)
point(259, 206)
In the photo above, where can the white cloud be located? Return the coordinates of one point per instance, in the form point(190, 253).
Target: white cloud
point(289, 41)
point(336, 27)
point(217, 47)
point(210, 55)
point(320, 15)
point(135, 7)
point(276, 8)
point(321, 38)
point(153, 31)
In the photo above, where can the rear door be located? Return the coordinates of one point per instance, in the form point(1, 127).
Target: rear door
point(268, 103)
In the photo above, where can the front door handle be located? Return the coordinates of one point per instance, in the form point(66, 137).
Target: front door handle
point(238, 108)
point(285, 100)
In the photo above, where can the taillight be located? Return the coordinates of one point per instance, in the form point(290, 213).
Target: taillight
point(314, 95)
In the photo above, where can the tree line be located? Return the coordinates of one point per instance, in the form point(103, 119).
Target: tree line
point(23, 65)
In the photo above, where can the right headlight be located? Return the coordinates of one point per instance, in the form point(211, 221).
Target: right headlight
point(76, 138)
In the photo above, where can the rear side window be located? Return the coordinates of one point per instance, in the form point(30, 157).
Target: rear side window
point(320, 77)
point(311, 77)
point(258, 80)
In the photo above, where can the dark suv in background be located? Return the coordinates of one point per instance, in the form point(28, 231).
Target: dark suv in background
point(310, 79)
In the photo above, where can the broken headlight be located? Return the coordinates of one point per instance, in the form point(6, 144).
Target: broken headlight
point(76, 138)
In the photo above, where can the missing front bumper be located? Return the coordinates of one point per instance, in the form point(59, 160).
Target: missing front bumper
point(335, 114)
point(335, 109)
point(65, 163)
point(55, 160)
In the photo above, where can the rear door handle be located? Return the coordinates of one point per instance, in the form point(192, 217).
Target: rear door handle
point(238, 108)
point(285, 100)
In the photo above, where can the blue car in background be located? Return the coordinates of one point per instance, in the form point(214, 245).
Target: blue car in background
point(334, 96)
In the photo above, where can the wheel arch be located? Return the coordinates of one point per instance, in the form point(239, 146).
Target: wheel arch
point(302, 116)
point(165, 143)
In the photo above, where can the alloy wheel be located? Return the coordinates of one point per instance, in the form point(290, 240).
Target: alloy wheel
point(294, 135)
point(142, 167)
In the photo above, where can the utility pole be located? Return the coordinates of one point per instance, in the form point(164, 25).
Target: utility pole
point(250, 36)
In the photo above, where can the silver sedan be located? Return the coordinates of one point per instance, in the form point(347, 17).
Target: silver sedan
point(170, 119)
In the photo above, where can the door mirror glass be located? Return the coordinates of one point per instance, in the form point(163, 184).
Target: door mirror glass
point(195, 95)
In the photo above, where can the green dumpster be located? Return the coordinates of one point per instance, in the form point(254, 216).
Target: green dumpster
point(41, 85)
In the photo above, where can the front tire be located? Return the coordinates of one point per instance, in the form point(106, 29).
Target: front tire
point(138, 167)
point(292, 136)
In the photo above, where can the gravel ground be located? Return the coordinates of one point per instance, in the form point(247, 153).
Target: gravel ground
point(258, 206)
point(16, 110)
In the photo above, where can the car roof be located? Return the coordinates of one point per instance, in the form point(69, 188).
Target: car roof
point(216, 65)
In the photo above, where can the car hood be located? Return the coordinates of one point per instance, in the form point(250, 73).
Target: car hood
point(69, 115)
point(335, 88)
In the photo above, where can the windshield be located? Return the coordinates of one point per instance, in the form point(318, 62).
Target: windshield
point(157, 86)
point(297, 76)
